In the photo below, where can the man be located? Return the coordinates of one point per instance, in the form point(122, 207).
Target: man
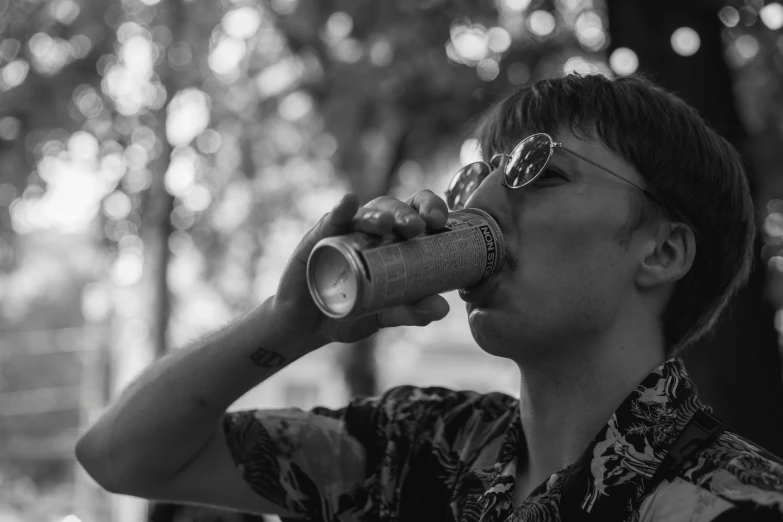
point(628, 223)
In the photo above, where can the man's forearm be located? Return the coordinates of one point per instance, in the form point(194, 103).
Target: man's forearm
point(162, 420)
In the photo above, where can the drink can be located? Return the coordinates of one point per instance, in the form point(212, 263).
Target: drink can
point(358, 274)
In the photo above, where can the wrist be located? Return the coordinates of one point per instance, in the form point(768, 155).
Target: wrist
point(269, 321)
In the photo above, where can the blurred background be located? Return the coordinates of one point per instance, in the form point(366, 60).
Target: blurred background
point(160, 160)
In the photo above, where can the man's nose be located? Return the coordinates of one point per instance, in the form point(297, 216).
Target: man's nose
point(491, 195)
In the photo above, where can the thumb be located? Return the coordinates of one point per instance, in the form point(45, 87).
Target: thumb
point(419, 313)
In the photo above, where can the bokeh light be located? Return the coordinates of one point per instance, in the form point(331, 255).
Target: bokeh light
point(49, 55)
point(226, 57)
point(64, 11)
point(279, 77)
point(295, 106)
point(573, 5)
point(128, 268)
point(516, 5)
point(488, 69)
point(209, 141)
point(749, 14)
point(541, 23)
point(498, 39)
point(324, 145)
point(468, 44)
point(81, 45)
point(242, 22)
point(772, 15)
point(284, 7)
point(180, 177)
point(9, 48)
point(117, 205)
point(129, 82)
point(9, 128)
point(182, 217)
point(624, 61)
point(76, 183)
point(198, 199)
point(729, 16)
point(381, 52)
point(773, 223)
point(339, 26)
point(179, 55)
point(187, 116)
point(685, 41)
point(13, 74)
point(744, 49)
point(88, 101)
point(348, 50)
point(590, 31)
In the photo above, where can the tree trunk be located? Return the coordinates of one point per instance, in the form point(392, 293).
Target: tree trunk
point(155, 232)
point(159, 203)
point(373, 179)
point(156, 226)
point(738, 372)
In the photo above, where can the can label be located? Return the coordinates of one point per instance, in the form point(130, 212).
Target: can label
point(358, 274)
point(490, 243)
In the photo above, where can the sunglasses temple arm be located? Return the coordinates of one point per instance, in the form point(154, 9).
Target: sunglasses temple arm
point(656, 198)
point(602, 168)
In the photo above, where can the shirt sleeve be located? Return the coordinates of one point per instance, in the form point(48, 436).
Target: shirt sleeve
point(303, 461)
point(323, 463)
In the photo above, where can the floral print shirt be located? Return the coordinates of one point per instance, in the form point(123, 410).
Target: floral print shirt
point(433, 454)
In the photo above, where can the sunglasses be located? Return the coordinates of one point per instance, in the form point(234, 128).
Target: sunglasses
point(523, 166)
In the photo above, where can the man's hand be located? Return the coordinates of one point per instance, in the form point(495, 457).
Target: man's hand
point(294, 309)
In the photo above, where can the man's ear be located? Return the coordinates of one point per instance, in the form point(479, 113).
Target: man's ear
point(668, 257)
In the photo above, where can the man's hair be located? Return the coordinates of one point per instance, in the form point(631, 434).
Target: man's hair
point(683, 161)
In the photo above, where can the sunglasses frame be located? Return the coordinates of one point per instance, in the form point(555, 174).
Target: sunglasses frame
point(493, 164)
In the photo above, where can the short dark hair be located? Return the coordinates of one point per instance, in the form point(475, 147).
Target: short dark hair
point(685, 162)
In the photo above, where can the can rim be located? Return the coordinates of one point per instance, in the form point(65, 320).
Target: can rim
point(312, 285)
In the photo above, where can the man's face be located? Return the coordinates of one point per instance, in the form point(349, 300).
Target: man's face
point(570, 276)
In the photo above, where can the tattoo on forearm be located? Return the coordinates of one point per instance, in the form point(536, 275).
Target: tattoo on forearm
point(267, 359)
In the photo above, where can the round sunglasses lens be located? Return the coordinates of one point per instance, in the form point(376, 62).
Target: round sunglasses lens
point(528, 159)
point(465, 183)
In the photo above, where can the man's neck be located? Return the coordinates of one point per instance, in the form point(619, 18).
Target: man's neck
point(566, 399)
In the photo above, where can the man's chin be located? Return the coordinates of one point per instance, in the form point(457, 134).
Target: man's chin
point(488, 333)
point(483, 323)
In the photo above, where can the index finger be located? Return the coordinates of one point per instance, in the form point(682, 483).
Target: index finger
point(430, 207)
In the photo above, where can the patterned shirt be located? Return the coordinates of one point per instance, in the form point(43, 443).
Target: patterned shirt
point(433, 454)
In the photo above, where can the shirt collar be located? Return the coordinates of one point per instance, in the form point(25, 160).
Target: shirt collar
point(614, 472)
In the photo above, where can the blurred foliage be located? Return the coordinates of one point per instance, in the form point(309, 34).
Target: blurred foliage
point(238, 124)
